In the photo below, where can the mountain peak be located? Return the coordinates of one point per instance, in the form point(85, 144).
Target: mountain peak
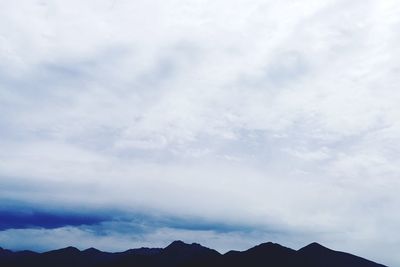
point(70, 248)
point(91, 250)
point(314, 246)
point(180, 250)
point(269, 246)
point(177, 244)
point(66, 250)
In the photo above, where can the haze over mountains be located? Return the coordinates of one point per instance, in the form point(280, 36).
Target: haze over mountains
point(179, 254)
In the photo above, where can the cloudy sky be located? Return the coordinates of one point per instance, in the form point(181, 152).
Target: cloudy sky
point(229, 123)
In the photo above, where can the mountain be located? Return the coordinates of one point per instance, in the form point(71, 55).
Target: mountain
point(266, 254)
point(180, 254)
point(315, 255)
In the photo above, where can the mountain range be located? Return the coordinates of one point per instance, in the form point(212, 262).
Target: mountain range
point(180, 254)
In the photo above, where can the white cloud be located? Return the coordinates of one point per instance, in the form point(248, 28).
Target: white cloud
point(258, 112)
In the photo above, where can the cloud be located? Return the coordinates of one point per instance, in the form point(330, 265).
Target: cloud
point(240, 113)
point(29, 219)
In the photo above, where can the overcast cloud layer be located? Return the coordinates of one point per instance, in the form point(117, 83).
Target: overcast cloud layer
point(229, 123)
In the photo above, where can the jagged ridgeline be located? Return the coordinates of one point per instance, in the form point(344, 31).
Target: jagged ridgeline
point(180, 254)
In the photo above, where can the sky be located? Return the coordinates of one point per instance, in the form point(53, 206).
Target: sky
point(228, 123)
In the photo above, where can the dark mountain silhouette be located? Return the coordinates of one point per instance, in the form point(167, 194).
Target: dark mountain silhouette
point(315, 255)
point(179, 251)
point(266, 254)
point(180, 254)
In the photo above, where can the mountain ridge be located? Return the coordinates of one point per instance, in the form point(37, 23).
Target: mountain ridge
point(179, 254)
